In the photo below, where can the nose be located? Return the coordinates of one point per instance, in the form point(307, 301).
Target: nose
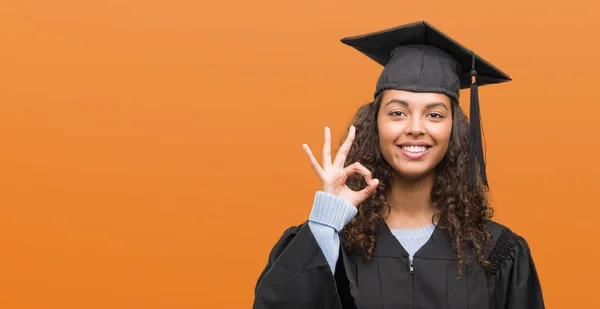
point(415, 127)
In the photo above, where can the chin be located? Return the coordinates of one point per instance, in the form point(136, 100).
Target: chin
point(414, 172)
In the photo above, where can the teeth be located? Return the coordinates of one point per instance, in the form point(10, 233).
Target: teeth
point(415, 149)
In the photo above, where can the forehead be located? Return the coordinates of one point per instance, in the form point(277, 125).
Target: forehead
point(414, 98)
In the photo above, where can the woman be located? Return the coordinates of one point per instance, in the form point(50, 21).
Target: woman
point(402, 218)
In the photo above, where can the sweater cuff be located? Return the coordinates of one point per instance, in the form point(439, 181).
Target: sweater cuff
point(331, 210)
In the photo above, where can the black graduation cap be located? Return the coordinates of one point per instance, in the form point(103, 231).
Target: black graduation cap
point(418, 57)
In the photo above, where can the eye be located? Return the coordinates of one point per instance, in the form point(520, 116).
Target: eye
point(436, 115)
point(396, 113)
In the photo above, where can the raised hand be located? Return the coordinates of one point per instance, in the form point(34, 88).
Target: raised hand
point(334, 175)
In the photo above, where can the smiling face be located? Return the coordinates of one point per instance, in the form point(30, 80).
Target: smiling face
point(414, 131)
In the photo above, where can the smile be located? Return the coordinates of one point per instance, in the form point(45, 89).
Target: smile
point(415, 149)
point(413, 152)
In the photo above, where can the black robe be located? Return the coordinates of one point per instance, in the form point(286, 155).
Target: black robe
point(297, 275)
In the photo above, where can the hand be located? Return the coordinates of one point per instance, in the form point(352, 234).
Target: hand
point(334, 176)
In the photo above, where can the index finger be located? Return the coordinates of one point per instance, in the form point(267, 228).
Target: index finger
point(327, 149)
point(342, 153)
point(313, 161)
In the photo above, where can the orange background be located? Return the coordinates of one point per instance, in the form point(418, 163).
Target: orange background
point(151, 149)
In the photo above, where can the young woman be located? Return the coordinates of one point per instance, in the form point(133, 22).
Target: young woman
point(402, 218)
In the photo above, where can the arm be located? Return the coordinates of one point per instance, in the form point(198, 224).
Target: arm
point(328, 216)
point(299, 271)
point(297, 275)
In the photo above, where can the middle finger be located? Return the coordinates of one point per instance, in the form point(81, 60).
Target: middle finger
point(340, 157)
point(327, 149)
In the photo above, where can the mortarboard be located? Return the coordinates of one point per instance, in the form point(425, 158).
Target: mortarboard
point(418, 57)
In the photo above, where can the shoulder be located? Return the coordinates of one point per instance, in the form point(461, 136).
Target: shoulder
point(503, 236)
point(500, 231)
point(506, 246)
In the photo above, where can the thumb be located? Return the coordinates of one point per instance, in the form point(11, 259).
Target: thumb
point(368, 190)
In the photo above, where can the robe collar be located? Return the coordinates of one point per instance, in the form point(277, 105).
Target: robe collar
point(437, 247)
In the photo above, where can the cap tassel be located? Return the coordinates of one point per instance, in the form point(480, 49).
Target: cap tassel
point(476, 158)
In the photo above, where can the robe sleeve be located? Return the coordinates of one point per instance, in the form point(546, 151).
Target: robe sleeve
point(516, 282)
point(297, 275)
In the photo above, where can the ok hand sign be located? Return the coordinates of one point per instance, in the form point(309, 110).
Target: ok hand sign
point(334, 176)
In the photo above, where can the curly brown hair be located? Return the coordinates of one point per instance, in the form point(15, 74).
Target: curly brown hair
point(462, 208)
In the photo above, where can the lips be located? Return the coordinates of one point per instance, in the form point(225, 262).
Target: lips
point(414, 152)
point(414, 149)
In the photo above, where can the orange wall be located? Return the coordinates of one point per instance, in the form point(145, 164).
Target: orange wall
point(151, 150)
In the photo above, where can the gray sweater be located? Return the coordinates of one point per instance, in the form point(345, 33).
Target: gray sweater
point(329, 214)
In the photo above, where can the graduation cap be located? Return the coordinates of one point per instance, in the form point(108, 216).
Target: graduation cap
point(418, 57)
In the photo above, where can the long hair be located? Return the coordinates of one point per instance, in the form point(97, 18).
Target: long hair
point(461, 207)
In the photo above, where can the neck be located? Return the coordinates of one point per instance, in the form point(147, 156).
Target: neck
point(410, 202)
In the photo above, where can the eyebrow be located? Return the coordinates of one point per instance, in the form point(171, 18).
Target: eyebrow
point(405, 103)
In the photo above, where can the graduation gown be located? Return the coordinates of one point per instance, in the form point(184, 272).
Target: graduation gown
point(297, 275)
